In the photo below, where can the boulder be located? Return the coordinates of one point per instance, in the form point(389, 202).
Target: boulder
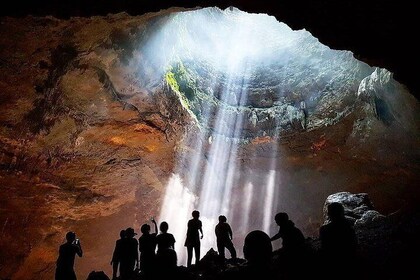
point(355, 205)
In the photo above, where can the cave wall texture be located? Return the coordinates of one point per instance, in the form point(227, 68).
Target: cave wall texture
point(378, 32)
point(85, 146)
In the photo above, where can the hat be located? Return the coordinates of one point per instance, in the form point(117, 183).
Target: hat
point(130, 232)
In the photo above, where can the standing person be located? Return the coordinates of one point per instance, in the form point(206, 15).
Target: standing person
point(129, 254)
point(193, 239)
point(165, 240)
point(116, 256)
point(224, 238)
point(147, 246)
point(67, 254)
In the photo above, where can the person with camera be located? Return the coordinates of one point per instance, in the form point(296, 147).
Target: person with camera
point(66, 256)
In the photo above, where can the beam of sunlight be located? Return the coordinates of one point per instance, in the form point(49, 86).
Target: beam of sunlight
point(268, 200)
point(246, 206)
point(231, 45)
point(231, 54)
point(178, 204)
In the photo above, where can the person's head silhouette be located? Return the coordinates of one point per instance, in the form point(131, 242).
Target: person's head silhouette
point(70, 236)
point(145, 229)
point(281, 218)
point(335, 211)
point(257, 248)
point(195, 214)
point(129, 232)
point(222, 219)
point(122, 233)
point(164, 227)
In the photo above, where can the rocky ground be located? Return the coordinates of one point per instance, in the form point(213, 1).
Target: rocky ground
point(86, 146)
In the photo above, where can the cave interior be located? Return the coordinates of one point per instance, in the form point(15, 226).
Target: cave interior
point(116, 112)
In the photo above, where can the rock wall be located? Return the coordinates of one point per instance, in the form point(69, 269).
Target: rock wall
point(86, 145)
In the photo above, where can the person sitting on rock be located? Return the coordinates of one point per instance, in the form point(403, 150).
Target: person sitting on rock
point(338, 239)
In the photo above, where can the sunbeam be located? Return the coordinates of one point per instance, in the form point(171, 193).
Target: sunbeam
point(234, 74)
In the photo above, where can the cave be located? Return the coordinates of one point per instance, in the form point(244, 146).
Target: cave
point(109, 119)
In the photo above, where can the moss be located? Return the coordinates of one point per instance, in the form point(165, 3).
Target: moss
point(170, 79)
point(186, 83)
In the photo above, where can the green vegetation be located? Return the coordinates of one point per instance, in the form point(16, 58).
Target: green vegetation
point(184, 82)
point(170, 79)
point(181, 81)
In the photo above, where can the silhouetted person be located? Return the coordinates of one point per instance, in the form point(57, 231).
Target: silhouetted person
point(166, 263)
point(129, 254)
point(147, 246)
point(292, 237)
point(67, 254)
point(193, 239)
point(116, 256)
point(258, 252)
point(338, 241)
point(97, 275)
point(165, 240)
point(224, 238)
point(292, 255)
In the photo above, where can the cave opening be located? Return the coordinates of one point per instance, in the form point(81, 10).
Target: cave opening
point(247, 84)
point(109, 120)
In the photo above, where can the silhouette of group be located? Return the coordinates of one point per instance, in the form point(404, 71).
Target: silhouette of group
point(153, 255)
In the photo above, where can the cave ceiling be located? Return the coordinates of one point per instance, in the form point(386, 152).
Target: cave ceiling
point(377, 32)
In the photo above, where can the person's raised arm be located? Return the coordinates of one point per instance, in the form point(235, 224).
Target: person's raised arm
point(154, 222)
point(79, 250)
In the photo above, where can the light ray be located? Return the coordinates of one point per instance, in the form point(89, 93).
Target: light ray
point(230, 53)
